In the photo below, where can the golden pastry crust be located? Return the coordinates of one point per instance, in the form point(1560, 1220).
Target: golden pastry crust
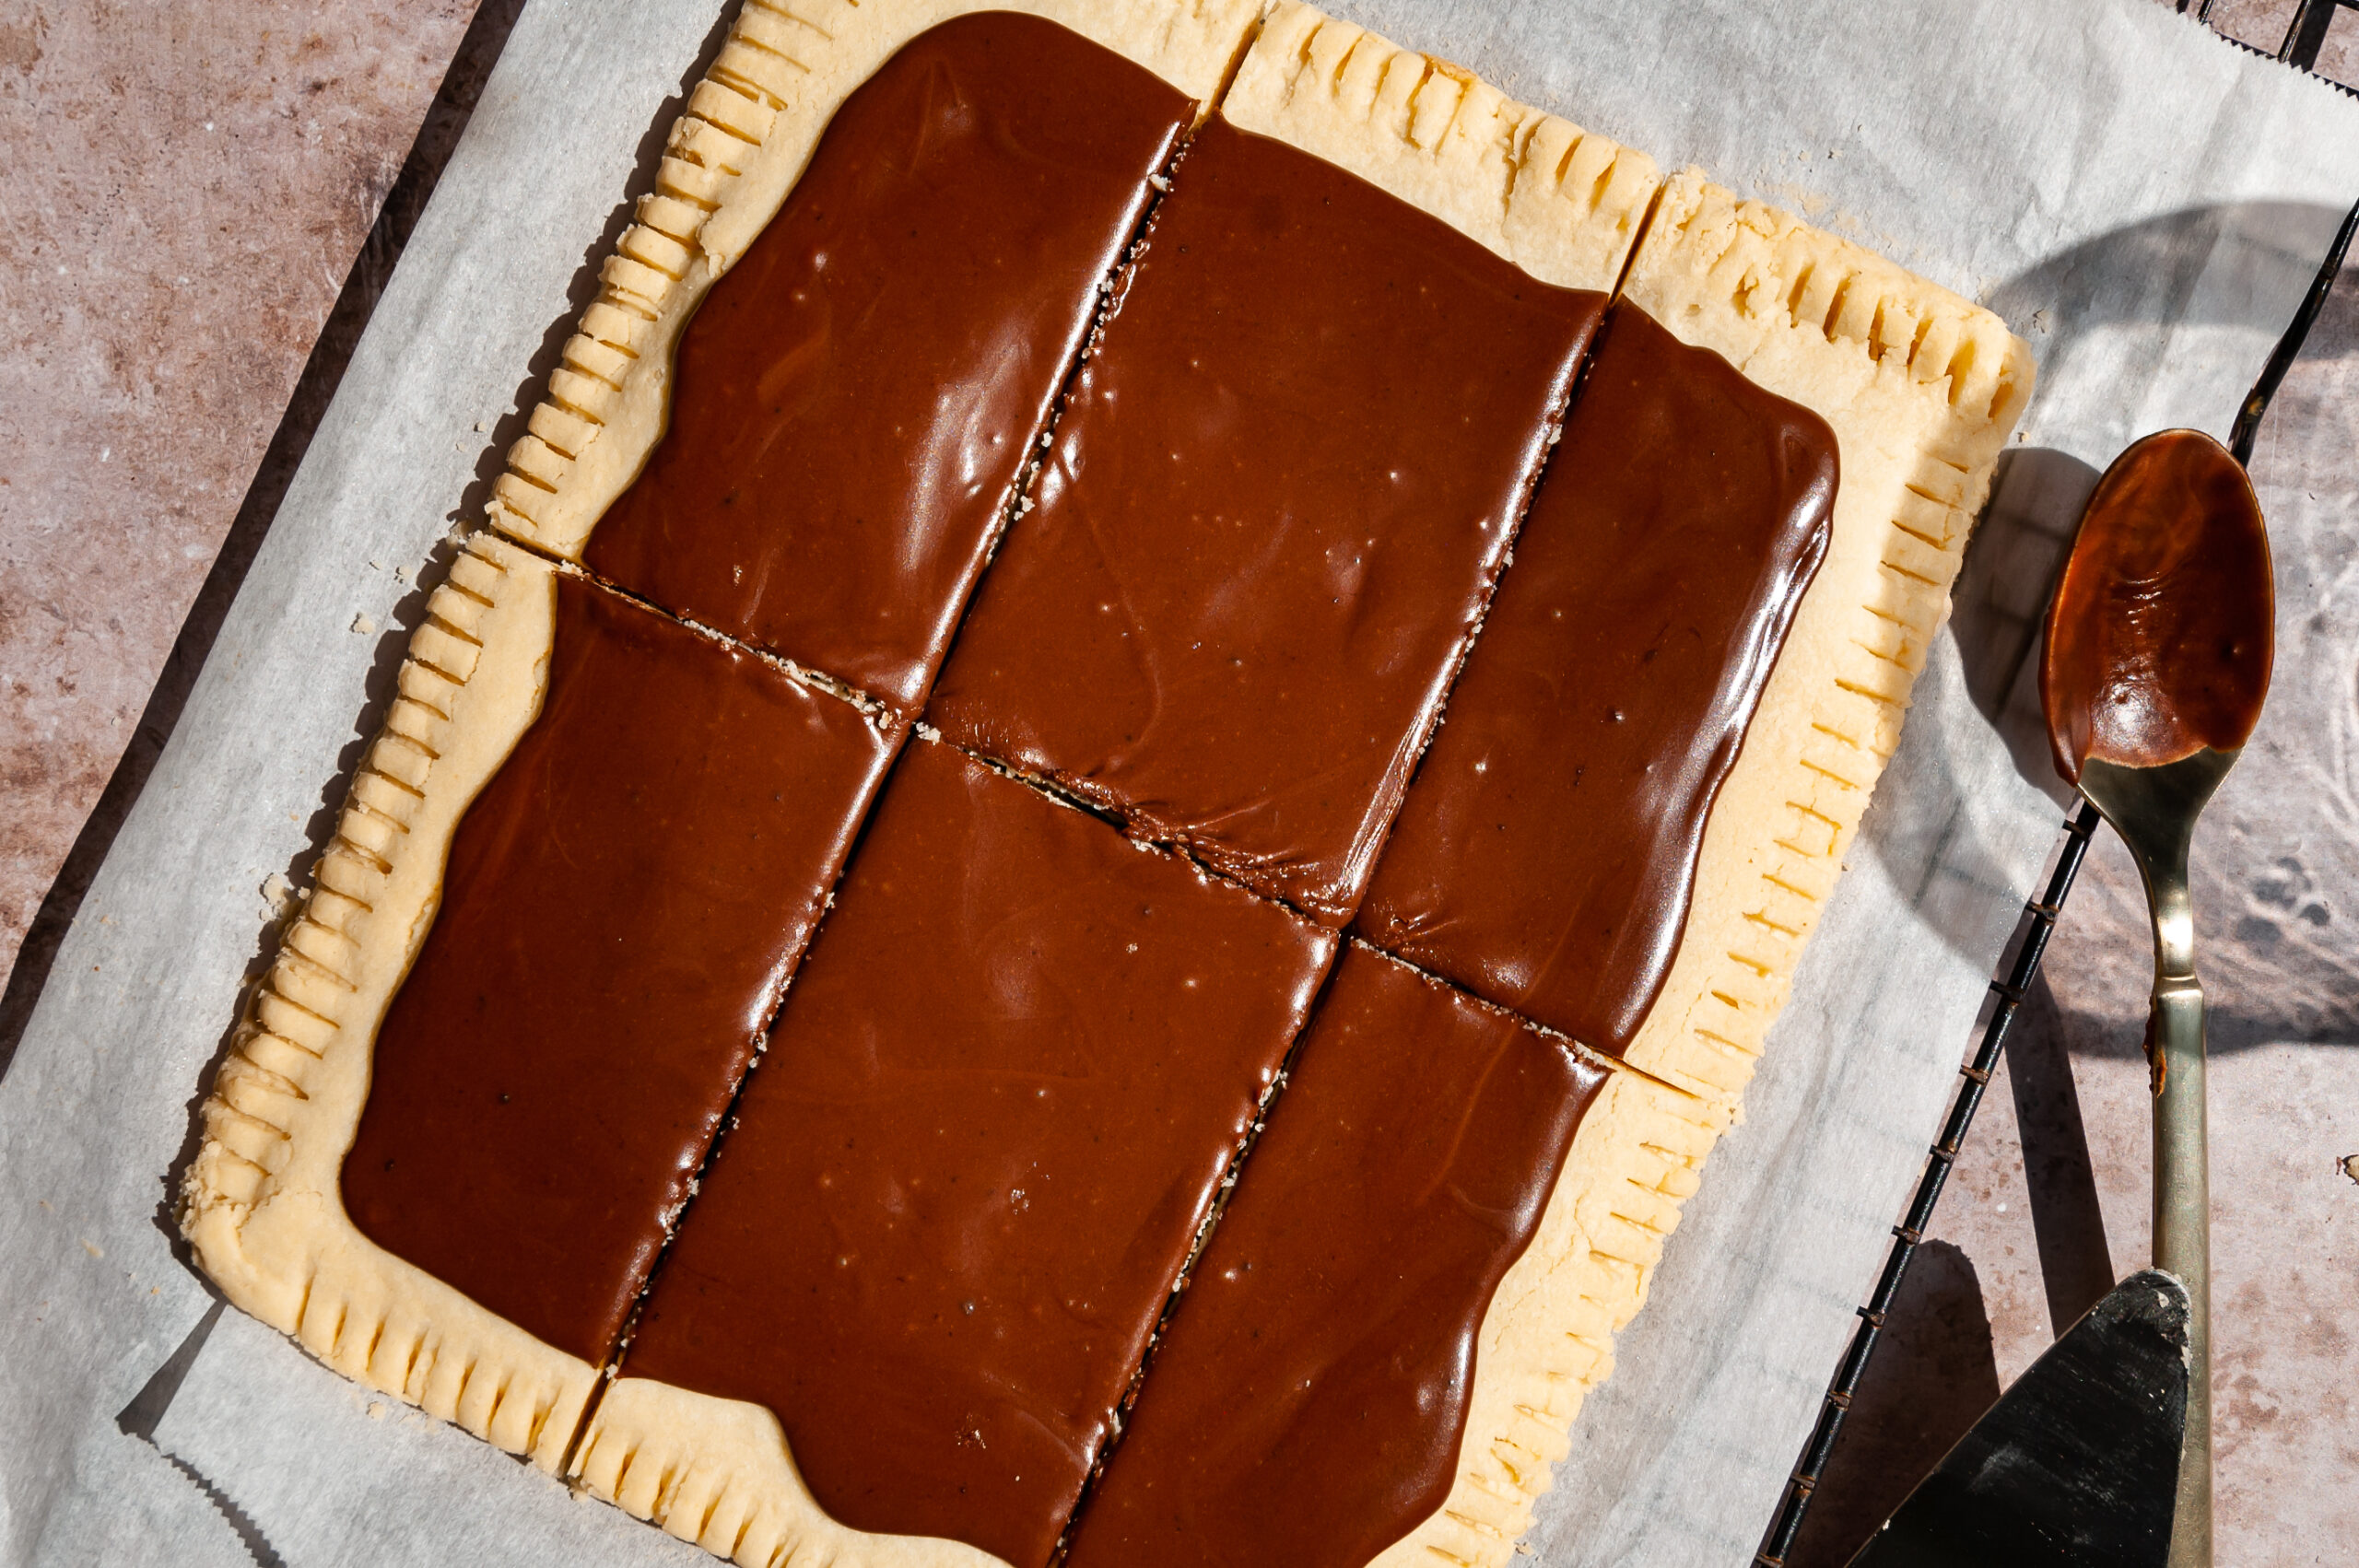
point(728, 164)
point(262, 1203)
point(717, 1472)
point(1922, 390)
point(1562, 204)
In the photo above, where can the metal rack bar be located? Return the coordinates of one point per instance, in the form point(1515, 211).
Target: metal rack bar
point(2306, 35)
point(2008, 993)
point(2288, 347)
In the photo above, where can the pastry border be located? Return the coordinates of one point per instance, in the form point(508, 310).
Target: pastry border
point(262, 1203)
point(1923, 391)
point(1564, 204)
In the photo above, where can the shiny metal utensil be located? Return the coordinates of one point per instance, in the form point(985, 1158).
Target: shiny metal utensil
point(2079, 1464)
point(2154, 810)
point(2157, 660)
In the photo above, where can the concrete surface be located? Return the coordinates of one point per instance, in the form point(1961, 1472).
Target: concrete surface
point(188, 187)
point(2264, 23)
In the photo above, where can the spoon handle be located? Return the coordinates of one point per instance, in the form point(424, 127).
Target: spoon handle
point(2174, 1047)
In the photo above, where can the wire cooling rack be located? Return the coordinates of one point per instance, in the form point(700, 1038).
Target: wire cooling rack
point(2029, 944)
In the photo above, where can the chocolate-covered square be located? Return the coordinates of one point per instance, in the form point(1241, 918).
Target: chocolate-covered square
point(854, 400)
point(1277, 496)
point(1307, 1404)
point(622, 907)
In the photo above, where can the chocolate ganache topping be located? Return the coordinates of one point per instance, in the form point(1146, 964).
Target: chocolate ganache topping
point(1278, 496)
point(1307, 1404)
point(2161, 636)
point(998, 1102)
point(993, 1112)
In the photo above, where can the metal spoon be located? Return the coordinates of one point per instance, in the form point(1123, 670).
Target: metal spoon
point(2158, 652)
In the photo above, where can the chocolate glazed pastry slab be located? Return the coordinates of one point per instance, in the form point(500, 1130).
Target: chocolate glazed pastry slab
point(1307, 1402)
point(1276, 500)
point(622, 907)
point(1919, 388)
point(856, 398)
point(991, 1115)
point(1545, 857)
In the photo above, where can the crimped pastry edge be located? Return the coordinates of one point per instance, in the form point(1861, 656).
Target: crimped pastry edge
point(261, 1203)
point(717, 1472)
point(1564, 204)
point(1923, 391)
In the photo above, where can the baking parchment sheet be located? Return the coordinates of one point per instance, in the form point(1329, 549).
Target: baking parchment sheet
point(2142, 201)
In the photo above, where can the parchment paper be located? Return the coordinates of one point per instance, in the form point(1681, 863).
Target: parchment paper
point(2142, 201)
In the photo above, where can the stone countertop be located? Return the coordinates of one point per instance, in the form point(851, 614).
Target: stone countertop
point(205, 200)
point(189, 188)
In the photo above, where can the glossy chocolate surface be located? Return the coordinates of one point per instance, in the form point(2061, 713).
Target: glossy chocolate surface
point(991, 1117)
point(1276, 503)
point(1546, 855)
point(1307, 1403)
point(2162, 632)
point(623, 902)
point(854, 399)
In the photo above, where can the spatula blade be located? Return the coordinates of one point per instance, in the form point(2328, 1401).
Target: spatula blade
point(2077, 1464)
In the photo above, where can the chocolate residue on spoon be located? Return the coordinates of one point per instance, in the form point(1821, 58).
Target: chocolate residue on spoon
point(2159, 641)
